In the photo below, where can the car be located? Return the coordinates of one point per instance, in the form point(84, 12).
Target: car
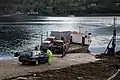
point(45, 45)
point(32, 57)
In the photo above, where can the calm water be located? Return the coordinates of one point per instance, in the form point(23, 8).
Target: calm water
point(20, 33)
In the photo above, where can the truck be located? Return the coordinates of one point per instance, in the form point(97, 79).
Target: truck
point(61, 35)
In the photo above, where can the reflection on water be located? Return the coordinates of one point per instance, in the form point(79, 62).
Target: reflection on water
point(24, 32)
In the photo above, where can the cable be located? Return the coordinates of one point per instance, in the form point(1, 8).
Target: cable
point(98, 41)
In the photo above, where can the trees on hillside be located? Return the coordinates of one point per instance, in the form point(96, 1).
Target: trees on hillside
point(90, 6)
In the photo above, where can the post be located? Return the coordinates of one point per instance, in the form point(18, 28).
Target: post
point(111, 51)
point(80, 28)
point(114, 36)
point(47, 34)
point(41, 37)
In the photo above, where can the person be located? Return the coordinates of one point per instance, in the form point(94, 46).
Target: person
point(64, 49)
point(36, 50)
point(62, 38)
point(63, 53)
point(49, 53)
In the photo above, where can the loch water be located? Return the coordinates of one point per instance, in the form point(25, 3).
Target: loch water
point(18, 33)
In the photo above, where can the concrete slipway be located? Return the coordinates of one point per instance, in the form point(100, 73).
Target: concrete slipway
point(12, 68)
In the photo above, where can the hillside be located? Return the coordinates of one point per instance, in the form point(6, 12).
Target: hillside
point(60, 7)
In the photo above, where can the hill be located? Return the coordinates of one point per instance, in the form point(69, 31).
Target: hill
point(60, 7)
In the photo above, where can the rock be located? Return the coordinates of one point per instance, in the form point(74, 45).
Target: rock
point(21, 78)
point(34, 78)
point(51, 75)
point(34, 75)
point(41, 74)
point(1, 64)
point(79, 78)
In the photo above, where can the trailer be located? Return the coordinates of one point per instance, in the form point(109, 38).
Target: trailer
point(61, 35)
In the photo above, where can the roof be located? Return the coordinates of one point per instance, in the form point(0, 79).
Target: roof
point(58, 40)
point(51, 37)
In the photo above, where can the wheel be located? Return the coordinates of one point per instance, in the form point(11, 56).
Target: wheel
point(46, 61)
point(23, 63)
point(36, 62)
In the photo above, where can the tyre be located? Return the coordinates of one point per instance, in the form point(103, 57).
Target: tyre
point(46, 61)
point(23, 63)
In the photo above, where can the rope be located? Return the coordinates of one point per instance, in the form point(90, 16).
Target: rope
point(98, 41)
point(114, 75)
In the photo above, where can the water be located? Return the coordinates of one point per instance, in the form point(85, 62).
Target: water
point(21, 33)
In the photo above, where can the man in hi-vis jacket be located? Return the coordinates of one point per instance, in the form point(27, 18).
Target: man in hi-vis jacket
point(49, 53)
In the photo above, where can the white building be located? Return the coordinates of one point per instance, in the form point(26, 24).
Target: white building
point(49, 9)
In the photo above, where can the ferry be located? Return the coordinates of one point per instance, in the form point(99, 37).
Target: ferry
point(74, 41)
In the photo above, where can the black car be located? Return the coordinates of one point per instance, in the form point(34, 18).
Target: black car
point(32, 57)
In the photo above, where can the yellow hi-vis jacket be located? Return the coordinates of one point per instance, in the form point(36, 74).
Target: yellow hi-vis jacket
point(49, 53)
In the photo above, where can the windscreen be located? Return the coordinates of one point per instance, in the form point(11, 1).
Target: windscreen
point(58, 43)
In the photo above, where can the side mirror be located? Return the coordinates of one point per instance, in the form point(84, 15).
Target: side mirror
point(16, 54)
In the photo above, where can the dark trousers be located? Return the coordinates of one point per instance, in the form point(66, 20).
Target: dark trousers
point(110, 51)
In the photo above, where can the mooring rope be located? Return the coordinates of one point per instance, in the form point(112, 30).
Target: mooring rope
point(114, 75)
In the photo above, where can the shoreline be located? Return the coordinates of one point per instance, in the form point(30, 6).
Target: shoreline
point(86, 15)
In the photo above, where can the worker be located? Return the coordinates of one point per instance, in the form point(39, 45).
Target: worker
point(36, 48)
point(63, 53)
point(49, 53)
point(64, 49)
point(37, 51)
